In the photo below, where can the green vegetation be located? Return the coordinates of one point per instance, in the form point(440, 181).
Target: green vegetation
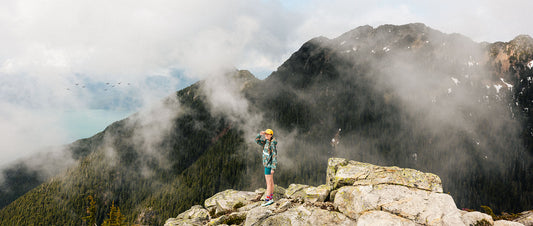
point(483, 222)
point(115, 174)
point(503, 216)
point(488, 211)
point(90, 219)
point(115, 217)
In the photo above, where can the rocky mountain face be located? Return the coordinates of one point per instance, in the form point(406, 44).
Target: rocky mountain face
point(356, 193)
point(415, 97)
point(407, 95)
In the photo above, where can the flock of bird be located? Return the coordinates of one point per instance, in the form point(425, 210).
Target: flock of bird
point(107, 87)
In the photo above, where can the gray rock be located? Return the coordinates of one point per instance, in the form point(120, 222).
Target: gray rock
point(420, 206)
point(196, 215)
point(284, 205)
point(308, 193)
point(342, 172)
point(228, 200)
point(303, 215)
point(507, 223)
point(235, 218)
point(317, 194)
point(257, 215)
point(526, 218)
point(249, 207)
point(372, 218)
point(473, 218)
point(295, 191)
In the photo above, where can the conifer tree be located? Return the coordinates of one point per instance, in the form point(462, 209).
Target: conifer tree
point(90, 219)
point(115, 217)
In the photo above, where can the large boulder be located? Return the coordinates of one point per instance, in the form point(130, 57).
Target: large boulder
point(342, 172)
point(295, 191)
point(372, 218)
point(196, 215)
point(259, 214)
point(526, 218)
point(420, 206)
point(236, 218)
point(317, 194)
point(300, 215)
point(507, 223)
point(476, 218)
point(308, 193)
point(228, 200)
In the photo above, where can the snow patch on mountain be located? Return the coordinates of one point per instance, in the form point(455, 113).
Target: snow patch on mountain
point(509, 86)
point(498, 87)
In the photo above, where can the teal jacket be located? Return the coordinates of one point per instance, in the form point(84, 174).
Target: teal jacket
point(270, 152)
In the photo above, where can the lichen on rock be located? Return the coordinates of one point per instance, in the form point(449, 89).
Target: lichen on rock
point(228, 200)
point(342, 172)
point(197, 215)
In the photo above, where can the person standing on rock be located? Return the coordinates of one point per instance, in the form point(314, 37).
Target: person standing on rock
point(270, 160)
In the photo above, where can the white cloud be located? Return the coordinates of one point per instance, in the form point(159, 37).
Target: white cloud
point(48, 46)
point(480, 20)
point(23, 131)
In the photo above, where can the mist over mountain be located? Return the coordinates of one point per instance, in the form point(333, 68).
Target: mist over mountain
point(407, 95)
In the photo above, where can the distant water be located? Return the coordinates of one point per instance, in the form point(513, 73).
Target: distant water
point(86, 123)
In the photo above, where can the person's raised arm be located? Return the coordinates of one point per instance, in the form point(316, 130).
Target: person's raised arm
point(258, 139)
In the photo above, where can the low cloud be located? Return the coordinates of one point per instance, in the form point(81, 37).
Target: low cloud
point(19, 135)
point(50, 47)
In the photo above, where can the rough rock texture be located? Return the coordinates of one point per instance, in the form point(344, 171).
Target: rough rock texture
point(355, 194)
point(194, 216)
point(343, 172)
point(507, 223)
point(526, 218)
point(372, 218)
point(300, 215)
point(473, 218)
point(279, 192)
point(420, 206)
point(229, 200)
point(296, 190)
point(308, 193)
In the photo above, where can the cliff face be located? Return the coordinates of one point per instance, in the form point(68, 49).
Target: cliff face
point(356, 193)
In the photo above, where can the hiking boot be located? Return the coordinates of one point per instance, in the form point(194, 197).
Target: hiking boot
point(268, 202)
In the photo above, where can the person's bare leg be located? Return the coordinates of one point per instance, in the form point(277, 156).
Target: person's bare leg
point(269, 188)
point(271, 181)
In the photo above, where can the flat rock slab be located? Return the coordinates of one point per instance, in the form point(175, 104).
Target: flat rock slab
point(419, 206)
point(372, 218)
point(301, 215)
point(342, 172)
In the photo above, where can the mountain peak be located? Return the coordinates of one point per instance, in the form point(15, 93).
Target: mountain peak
point(385, 31)
point(522, 41)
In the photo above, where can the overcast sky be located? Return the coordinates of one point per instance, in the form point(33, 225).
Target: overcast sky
point(61, 58)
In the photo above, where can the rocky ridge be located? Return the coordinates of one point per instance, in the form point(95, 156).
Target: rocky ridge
point(355, 193)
